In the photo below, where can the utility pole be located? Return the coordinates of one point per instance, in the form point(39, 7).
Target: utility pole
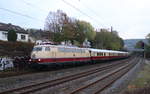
point(111, 29)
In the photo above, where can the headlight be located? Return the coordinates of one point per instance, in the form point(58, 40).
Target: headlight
point(30, 60)
point(39, 59)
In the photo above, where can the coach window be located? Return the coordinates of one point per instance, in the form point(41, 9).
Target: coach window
point(83, 51)
point(61, 49)
point(47, 49)
point(96, 54)
point(100, 54)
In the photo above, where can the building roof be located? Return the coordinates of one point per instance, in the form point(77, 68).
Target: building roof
point(7, 27)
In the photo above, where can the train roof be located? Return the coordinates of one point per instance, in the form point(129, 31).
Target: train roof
point(59, 46)
point(91, 49)
point(106, 51)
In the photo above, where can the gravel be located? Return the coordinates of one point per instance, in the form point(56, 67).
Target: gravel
point(70, 86)
point(119, 86)
point(28, 79)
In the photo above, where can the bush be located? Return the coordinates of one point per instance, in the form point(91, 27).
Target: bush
point(13, 49)
point(12, 36)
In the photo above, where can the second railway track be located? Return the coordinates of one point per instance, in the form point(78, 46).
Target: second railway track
point(103, 82)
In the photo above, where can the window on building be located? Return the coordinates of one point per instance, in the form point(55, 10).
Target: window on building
point(23, 37)
point(5, 35)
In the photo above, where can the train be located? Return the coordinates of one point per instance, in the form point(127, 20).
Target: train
point(51, 55)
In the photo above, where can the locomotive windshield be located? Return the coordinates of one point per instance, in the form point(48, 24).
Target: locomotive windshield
point(37, 49)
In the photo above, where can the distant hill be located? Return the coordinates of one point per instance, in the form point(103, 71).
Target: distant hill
point(130, 43)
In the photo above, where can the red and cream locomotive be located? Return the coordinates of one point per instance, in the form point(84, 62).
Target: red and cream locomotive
point(47, 54)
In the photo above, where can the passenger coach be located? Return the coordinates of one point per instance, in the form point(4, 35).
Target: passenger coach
point(102, 55)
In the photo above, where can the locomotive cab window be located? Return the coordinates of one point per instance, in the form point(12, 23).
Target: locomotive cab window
point(37, 49)
point(47, 49)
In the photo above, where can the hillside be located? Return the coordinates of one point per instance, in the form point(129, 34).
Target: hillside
point(130, 43)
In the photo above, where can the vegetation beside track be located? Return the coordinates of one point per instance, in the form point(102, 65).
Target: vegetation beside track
point(14, 72)
point(12, 49)
point(141, 85)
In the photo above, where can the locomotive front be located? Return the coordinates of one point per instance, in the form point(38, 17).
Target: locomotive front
point(38, 54)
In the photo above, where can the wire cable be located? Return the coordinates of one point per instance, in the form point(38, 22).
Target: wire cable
point(82, 12)
point(20, 14)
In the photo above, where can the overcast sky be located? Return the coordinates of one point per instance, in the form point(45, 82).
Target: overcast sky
point(131, 18)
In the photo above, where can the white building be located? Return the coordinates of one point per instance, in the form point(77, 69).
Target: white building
point(22, 35)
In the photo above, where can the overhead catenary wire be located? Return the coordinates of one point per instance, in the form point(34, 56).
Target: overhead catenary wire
point(83, 13)
point(33, 5)
point(30, 4)
point(20, 14)
point(77, 9)
point(91, 10)
point(33, 18)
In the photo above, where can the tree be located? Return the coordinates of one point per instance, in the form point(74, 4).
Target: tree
point(85, 31)
point(69, 29)
point(12, 35)
point(80, 34)
point(140, 44)
point(107, 40)
point(61, 25)
point(88, 30)
point(54, 23)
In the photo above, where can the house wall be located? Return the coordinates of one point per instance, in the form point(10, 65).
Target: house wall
point(2, 36)
point(20, 36)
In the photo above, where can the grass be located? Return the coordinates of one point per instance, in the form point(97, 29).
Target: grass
point(142, 81)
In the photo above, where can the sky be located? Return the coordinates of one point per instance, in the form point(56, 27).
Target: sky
point(131, 18)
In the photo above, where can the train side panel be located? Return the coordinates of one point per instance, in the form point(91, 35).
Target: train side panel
point(59, 55)
point(52, 55)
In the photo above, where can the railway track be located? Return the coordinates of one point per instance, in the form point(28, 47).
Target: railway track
point(47, 84)
point(14, 73)
point(114, 75)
